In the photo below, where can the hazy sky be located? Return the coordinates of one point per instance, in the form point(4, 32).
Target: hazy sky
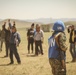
point(33, 9)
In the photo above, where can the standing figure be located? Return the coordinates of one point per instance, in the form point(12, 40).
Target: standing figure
point(14, 24)
point(30, 38)
point(75, 47)
point(57, 49)
point(38, 38)
point(10, 25)
point(72, 42)
point(2, 36)
point(7, 39)
point(14, 42)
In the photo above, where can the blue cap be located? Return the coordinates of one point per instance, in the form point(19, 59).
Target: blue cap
point(59, 26)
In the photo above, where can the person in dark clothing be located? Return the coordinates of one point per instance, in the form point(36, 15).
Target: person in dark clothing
point(4, 25)
point(14, 24)
point(7, 37)
point(69, 28)
point(10, 25)
point(71, 31)
point(2, 36)
point(30, 38)
point(14, 42)
point(75, 45)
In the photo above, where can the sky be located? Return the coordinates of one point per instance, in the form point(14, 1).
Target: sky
point(34, 9)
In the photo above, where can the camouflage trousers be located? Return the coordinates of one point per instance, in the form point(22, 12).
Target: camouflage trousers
point(56, 67)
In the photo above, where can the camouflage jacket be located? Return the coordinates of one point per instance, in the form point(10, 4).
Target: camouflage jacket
point(61, 41)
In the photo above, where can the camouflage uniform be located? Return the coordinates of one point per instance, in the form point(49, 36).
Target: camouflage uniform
point(57, 67)
point(62, 42)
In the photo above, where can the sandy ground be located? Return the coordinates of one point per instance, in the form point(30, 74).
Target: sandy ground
point(31, 65)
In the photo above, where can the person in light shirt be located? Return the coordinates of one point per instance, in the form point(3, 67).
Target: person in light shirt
point(38, 38)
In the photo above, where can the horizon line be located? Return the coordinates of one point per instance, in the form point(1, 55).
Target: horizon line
point(35, 18)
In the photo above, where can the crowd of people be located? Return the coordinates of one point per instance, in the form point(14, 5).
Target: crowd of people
point(11, 38)
point(35, 36)
point(57, 45)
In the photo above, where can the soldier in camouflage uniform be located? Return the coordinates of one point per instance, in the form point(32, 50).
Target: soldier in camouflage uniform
point(57, 49)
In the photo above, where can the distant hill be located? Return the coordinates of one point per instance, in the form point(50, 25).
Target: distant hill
point(27, 23)
point(51, 20)
point(41, 20)
point(19, 23)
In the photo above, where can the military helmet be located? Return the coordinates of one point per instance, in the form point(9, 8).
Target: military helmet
point(58, 26)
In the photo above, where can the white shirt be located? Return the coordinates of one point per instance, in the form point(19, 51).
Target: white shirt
point(39, 35)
